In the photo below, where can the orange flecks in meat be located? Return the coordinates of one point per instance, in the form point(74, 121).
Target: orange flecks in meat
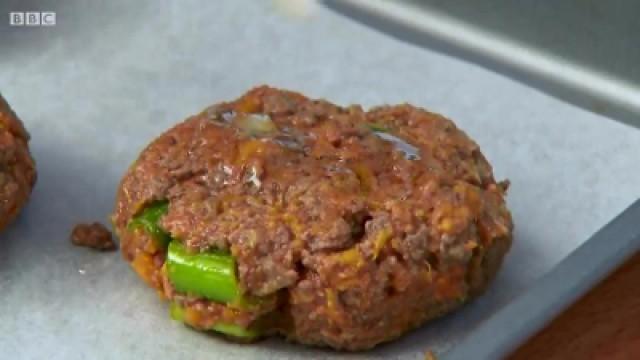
point(143, 265)
point(454, 219)
point(249, 148)
point(380, 241)
point(333, 309)
point(470, 245)
point(249, 104)
point(471, 195)
point(365, 176)
point(449, 284)
point(296, 229)
point(348, 283)
point(351, 257)
point(192, 317)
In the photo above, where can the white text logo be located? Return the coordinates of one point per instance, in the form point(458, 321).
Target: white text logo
point(44, 18)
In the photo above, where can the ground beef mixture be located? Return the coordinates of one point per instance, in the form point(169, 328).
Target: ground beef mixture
point(95, 236)
point(17, 169)
point(362, 224)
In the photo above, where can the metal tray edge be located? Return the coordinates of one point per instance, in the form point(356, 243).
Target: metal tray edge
point(554, 292)
point(584, 87)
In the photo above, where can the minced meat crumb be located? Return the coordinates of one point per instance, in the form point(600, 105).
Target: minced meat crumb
point(94, 235)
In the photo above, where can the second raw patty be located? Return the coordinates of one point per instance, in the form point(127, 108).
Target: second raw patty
point(17, 169)
point(278, 214)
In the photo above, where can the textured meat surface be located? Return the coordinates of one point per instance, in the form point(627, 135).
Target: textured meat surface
point(365, 223)
point(17, 169)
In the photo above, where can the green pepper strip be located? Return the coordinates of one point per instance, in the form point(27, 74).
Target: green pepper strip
point(177, 313)
point(211, 275)
point(377, 127)
point(148, 220)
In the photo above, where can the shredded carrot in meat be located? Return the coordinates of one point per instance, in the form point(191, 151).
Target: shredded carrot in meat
point(249, 104)
point(191, 316)
point(248, 148)
point(351, 257)
point(380, 241)
point(296, 229)
point(143, 265)
point(332, 303)
point(348, 283)
point(365, 176)
point(449, 285)
point(150, 246)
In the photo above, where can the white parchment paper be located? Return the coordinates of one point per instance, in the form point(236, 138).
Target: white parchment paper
point(111, 75)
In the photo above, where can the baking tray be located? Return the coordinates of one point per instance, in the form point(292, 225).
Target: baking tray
point(583, 52)
point(95, 88)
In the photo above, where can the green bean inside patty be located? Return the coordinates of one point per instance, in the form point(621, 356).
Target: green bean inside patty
point(148, 221)
point(211, 275)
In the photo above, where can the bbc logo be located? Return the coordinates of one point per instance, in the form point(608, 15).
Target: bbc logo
point(32, 18)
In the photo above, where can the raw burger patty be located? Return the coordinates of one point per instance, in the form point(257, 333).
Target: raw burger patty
point(347, 228)
point(17, 169)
